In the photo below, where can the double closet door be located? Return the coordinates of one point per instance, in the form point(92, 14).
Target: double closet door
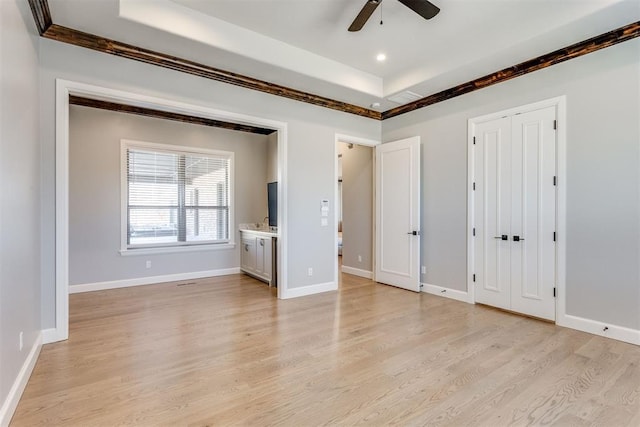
point(514, 212)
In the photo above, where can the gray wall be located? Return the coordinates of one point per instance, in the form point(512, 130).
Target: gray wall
point(94, 192)
point(311, 136)
point(357, 206)
point(19, 189)
point(603, 178)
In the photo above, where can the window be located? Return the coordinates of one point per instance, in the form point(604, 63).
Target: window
point(175, 196)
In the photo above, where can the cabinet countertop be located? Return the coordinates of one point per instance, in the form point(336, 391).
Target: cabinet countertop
point(263, 233)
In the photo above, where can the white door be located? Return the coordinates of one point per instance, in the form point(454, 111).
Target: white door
point(515, 212)
point(398, 213)
point(492, 211)
point(533, 214)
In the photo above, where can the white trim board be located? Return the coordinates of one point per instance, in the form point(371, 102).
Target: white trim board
point(17, 388)
point(357, 272)
point(447, 293)
point(49, 336)
point(602, 329)
point(64, 88)
point(310, 290)
point(150, 280)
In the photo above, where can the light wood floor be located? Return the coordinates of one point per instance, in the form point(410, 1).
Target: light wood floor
point(225, 351)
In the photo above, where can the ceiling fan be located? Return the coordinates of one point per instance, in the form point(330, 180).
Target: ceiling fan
point(424, 8)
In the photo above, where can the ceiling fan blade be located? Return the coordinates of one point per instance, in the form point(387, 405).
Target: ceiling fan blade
point(364, 15)
point(424, 8)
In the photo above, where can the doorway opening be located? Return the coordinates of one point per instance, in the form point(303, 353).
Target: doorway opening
point(355, 208)
point(65, 89)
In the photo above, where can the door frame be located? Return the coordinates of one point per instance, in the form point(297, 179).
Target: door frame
point(560, 104)
point(349, 139)
point(64, 88)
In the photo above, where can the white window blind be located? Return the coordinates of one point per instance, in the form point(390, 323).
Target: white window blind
point(176, 198)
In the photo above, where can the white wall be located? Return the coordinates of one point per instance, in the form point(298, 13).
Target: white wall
point(357, 206)
point(19, 193)
point(94, 192)
point(603, 177)
point(311, 136)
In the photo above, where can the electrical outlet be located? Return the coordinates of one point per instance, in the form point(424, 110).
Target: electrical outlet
point(148, 265)
point(423, 270)
point(359, 258)
point(310, 271)
point(21, 341)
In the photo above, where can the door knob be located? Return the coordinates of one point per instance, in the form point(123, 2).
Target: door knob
point(414, 233)
point(517, 239)
point(503, 237)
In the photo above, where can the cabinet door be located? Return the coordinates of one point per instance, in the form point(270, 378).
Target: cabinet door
point(248, 257)
point(260, 244)
point(268, 257)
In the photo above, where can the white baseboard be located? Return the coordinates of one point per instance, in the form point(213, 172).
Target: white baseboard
point(50, 335)
point(100, 286)
point(447, 293)
point(357, 272)
point(602, 329)
point(11, 402)
point(309, 290)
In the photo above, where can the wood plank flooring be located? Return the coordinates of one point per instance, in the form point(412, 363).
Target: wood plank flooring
point(225, 351)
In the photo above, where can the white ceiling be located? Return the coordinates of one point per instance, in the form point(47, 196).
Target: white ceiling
point(305, 43)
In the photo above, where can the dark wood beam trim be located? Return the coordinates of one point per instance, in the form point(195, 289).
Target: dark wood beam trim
point(41, 14)
point(602, 41)
point(101, 44)
point(42, 17)
point(159, 114)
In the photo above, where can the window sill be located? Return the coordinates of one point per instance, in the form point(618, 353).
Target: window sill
point(176, 249)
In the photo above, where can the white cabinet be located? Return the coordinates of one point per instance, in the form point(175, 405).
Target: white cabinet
point(257, 255)
point(248, 257)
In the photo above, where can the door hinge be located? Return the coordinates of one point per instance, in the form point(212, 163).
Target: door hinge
point(474, 140)
point(554, 236)
point(474, 277)
point(474, 231)
point(555, 180)
point(554, 292)
point(474, 186)
point(555, 124)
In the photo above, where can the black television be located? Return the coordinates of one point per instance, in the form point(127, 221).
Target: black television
point(272, 196)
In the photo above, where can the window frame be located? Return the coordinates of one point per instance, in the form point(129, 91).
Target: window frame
point(171, 247)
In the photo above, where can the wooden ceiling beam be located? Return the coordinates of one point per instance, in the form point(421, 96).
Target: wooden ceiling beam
point(41, 14)
point(576, 50)
point(48, 29)
point(113, 47)
point(159, 114)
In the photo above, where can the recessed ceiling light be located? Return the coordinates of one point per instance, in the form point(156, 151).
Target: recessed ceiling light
point(375, 105)
point(381, 57)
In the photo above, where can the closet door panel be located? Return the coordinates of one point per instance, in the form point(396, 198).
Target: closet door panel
point(533, 213)
point(492, 160)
